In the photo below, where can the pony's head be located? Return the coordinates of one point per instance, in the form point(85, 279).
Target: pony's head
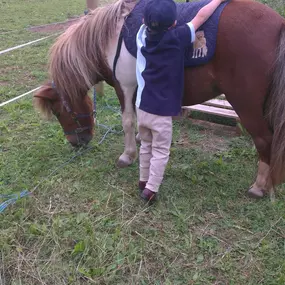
point(77, 121)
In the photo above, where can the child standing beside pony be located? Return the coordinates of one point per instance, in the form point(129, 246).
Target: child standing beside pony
point(160, 73)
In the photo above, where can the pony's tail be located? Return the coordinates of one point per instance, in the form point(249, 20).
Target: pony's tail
point(276, 113)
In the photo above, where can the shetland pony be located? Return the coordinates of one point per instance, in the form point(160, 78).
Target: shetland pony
point(248, 66)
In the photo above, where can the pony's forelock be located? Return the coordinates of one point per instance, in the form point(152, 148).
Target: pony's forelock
point(43, 99)
point(43, 106)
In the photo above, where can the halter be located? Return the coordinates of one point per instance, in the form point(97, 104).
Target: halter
point(75, 116)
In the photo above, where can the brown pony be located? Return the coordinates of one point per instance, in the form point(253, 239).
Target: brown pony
point(248, 66)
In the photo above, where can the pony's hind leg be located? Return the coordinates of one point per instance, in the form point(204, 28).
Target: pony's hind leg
point(252, 119)
point(263, 182)
point(262, 138)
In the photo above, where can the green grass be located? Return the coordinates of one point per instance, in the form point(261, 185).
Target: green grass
point(24, 69)
point(18, 16)
point(85, 224)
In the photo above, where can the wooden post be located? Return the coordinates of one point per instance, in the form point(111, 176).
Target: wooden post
point(92, 4)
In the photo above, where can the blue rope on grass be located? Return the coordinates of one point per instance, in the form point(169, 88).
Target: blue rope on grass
point(110, 130)
point(12, 199)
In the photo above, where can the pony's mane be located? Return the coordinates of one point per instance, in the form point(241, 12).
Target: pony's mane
point(78, 56)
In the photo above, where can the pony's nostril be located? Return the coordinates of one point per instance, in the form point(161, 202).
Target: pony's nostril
point(83, 141)
point(78, 141)
point(73, 144)
point(86, 139)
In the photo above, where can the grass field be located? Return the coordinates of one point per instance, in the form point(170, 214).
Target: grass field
point(85, 224)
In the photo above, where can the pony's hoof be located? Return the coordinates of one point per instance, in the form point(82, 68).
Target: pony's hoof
point(124, 161)
point(256, 193)
point(138, 139)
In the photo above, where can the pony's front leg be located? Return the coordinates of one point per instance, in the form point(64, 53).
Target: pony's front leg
point(125, 86)
point(130, 153)
point(129, 125)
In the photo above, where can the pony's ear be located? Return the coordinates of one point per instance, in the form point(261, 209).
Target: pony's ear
point(43, 100)
point(46, 92)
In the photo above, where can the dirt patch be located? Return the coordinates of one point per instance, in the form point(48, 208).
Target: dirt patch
point(54, 27)
point(216, 129)
point(4, 83)
point(211, 138)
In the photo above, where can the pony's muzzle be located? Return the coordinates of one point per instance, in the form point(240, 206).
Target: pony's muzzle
point(79, 140)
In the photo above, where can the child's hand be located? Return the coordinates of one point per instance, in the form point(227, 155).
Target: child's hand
point(205, 13)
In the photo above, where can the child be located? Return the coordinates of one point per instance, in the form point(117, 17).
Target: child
point(160, 76)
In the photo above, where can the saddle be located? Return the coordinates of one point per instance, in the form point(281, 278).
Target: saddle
point(203, 48)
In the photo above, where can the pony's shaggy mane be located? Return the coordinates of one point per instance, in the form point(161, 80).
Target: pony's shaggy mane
point(78, 56)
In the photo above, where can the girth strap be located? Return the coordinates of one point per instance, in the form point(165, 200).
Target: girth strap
point(118, 51)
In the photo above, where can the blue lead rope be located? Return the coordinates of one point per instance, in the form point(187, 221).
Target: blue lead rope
point(94, 103)
point(12, 198)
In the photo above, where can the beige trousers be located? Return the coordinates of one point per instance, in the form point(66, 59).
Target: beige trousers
point(156, 135)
